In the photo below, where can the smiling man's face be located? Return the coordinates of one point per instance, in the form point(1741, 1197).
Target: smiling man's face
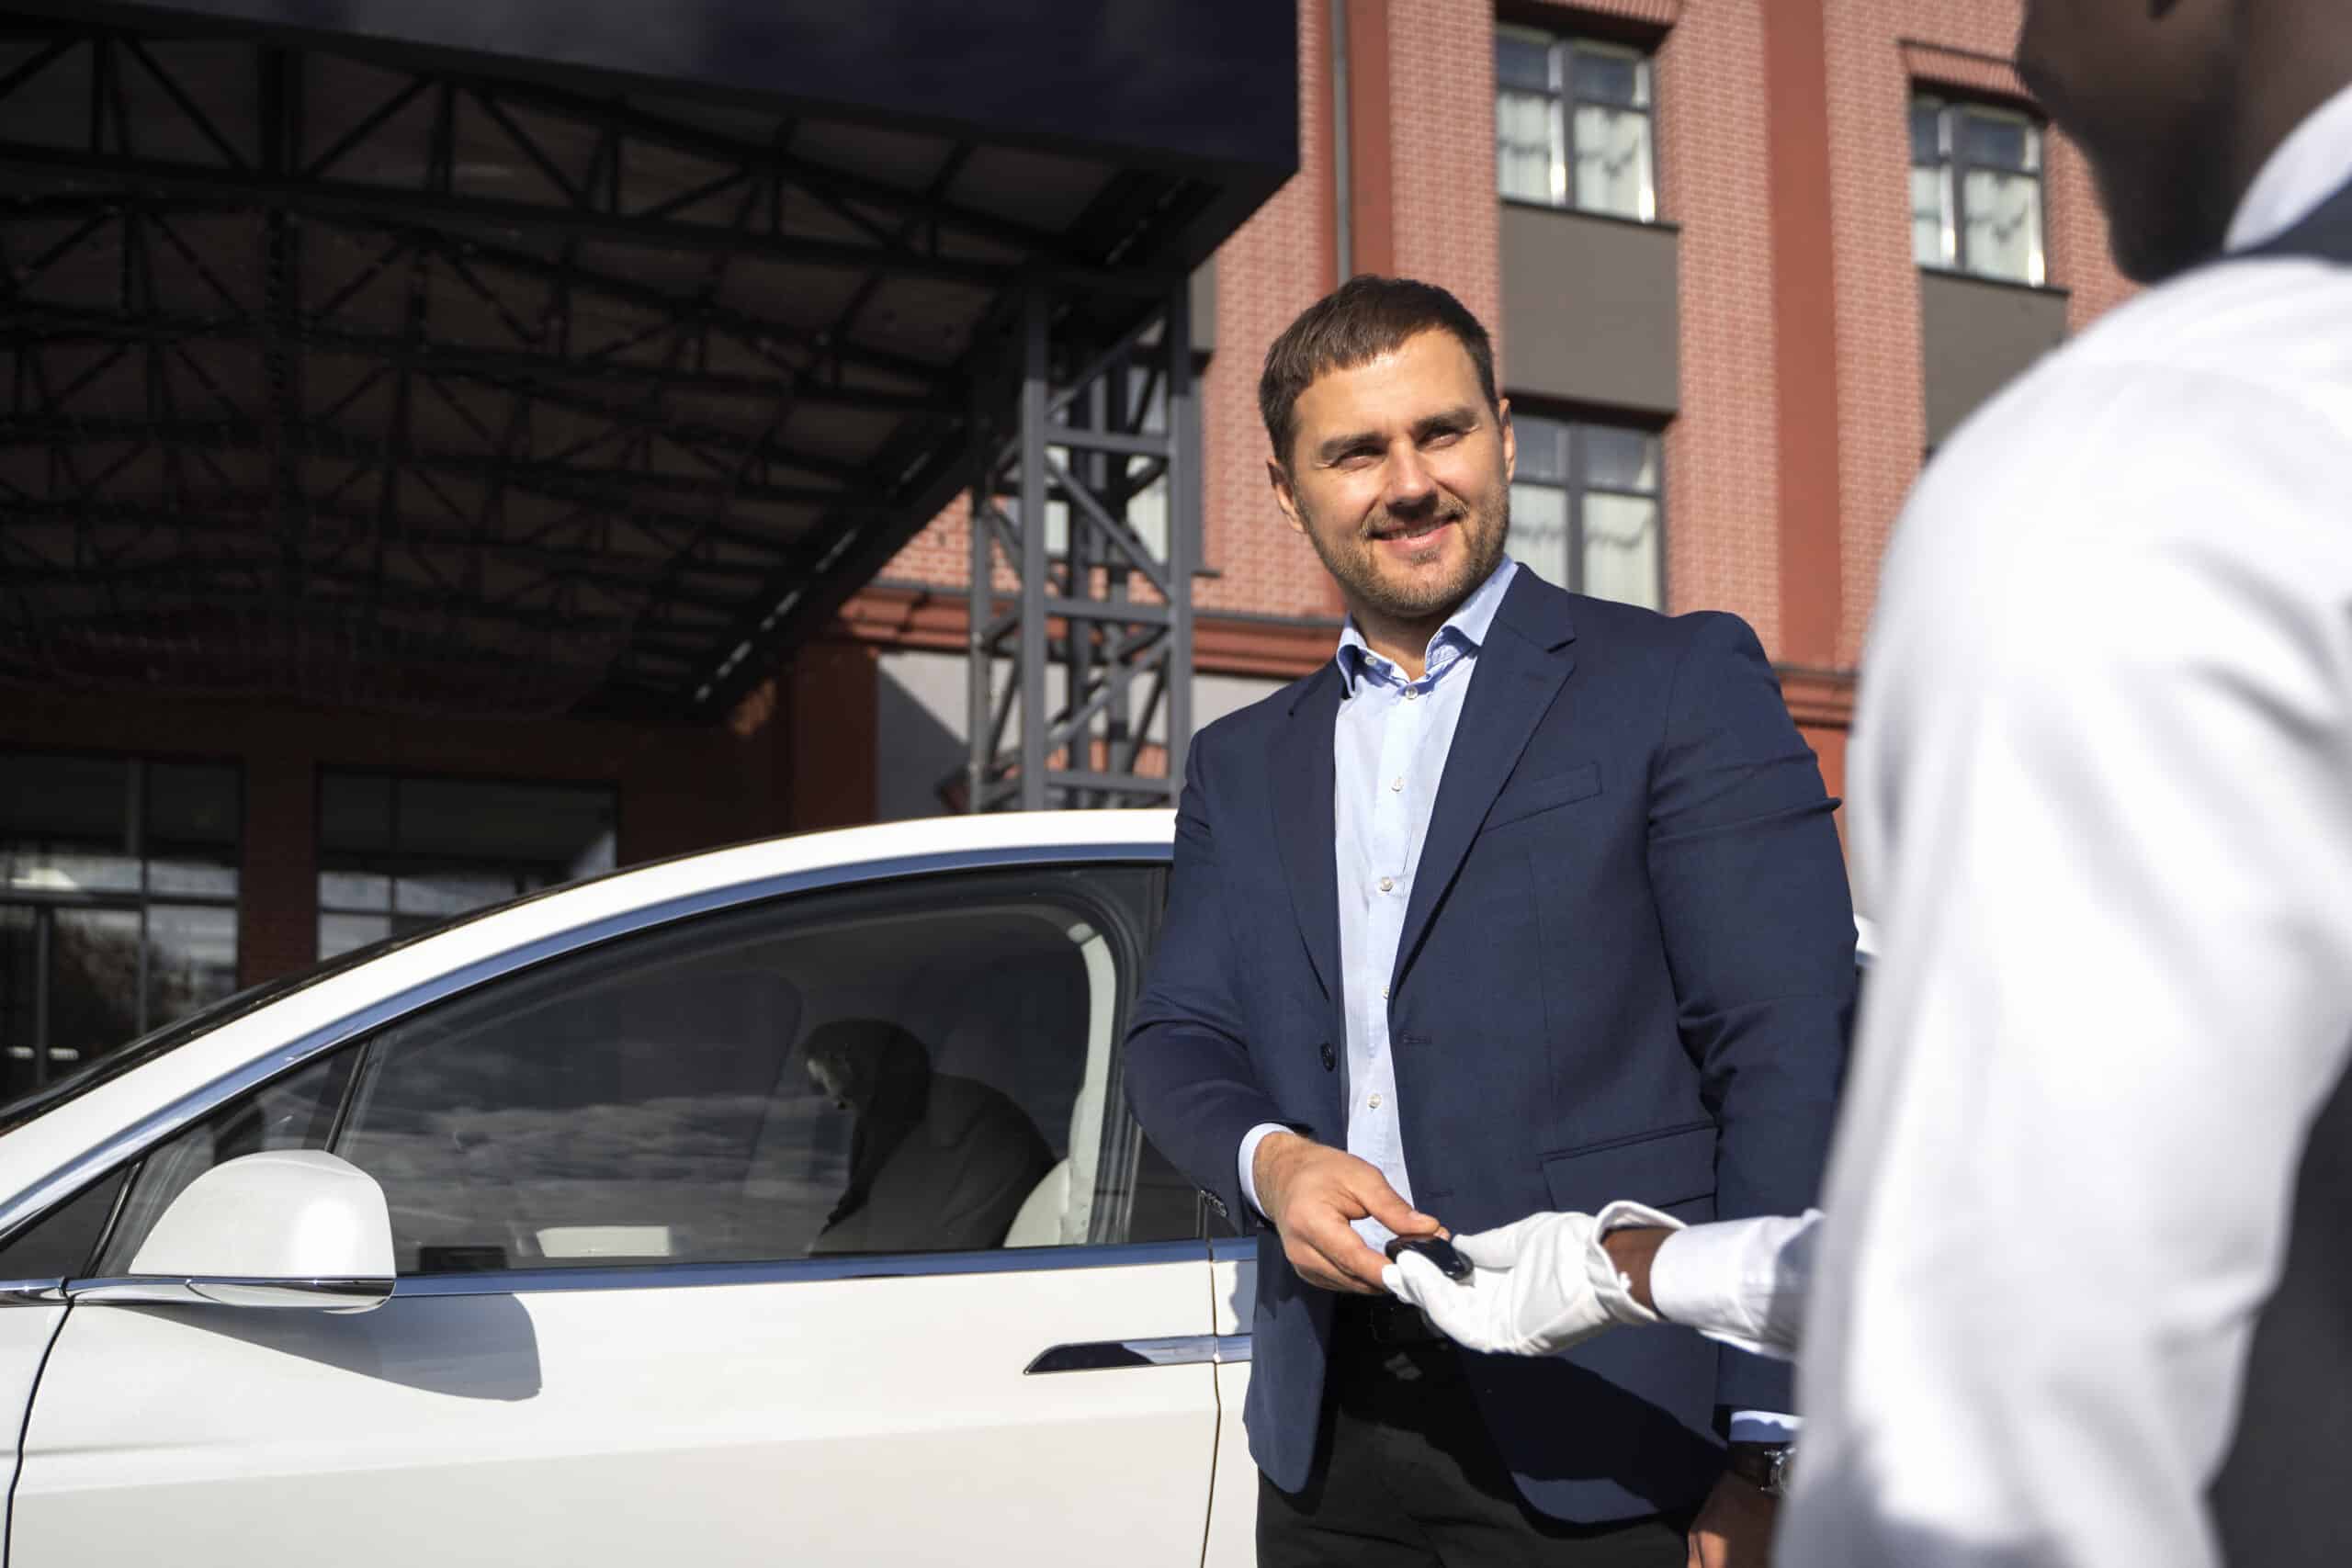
point(1399, 475)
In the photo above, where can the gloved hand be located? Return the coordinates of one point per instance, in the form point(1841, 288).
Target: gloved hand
point(1536, 1286)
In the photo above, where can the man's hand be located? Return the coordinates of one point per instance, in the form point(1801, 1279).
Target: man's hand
point(1311, 1192)
point(1734, 1529)
point(1534, 1288)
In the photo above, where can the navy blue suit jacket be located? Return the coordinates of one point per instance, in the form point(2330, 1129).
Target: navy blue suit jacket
point(1627, 971)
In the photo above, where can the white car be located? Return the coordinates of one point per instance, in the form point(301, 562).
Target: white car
point(777, 1203)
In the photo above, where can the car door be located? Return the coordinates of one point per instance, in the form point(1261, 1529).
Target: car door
point(789, 1231)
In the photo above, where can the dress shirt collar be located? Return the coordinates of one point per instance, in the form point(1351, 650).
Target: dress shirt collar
point(1464, 632)
point(2305, 170)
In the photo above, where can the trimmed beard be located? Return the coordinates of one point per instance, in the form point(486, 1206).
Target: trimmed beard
point(1360, 580)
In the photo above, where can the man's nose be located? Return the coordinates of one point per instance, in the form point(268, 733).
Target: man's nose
point(1410, 484)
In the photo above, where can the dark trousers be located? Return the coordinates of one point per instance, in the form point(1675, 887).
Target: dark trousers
point(1405, 1473)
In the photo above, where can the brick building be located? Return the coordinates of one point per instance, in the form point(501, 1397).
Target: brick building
point(1747, 294)
point(1727, 351)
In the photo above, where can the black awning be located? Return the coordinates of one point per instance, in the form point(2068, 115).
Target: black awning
point(552, 358)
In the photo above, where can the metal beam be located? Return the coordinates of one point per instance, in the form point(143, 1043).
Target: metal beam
point(757, 334)
point(312, 441)
point(925, 207)
point(412, 529)
point(1077, 611)
point(289, 193)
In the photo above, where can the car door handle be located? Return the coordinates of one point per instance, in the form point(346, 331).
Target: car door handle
point(1100, 1355)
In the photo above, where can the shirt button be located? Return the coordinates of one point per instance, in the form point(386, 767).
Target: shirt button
point(1398, 782)
point(1373, 1102)
point(1388, 884)
point(1383, 993)
point(1410, 694)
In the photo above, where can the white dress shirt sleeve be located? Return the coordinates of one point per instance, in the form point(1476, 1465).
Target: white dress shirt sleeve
point(1741, 1282)
point(2102, 776)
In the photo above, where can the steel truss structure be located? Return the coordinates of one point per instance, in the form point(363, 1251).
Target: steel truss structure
point(339, 377)
point(1094, 652)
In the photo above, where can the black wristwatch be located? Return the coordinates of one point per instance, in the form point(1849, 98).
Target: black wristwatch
point(1764, 1466)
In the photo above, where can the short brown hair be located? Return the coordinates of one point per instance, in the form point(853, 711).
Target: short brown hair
point(1363, 318)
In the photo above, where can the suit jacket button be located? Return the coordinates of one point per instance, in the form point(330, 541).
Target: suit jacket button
point(1330, 1060)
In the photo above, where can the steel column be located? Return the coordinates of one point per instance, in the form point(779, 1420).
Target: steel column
point(1098, 424)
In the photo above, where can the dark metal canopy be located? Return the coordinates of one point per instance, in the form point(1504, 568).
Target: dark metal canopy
point(517, 356)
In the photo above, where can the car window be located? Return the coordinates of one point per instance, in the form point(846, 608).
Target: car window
point(295, 1111)
point(917, 1067)
point(58, 1244)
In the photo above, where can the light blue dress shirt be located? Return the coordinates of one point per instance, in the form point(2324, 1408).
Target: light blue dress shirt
point(1389, 746)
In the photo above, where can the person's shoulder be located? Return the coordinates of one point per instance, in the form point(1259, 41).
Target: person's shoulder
point(2273, 322)
point(2223, 386)
point(1268, 711)
point(1640, 631)
point(2232, 344)
point(1254, 724)
point(2173, 477)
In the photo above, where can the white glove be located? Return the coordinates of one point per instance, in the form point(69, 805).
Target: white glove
point(1536, 1286)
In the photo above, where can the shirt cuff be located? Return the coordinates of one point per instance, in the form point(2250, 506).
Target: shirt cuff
point(1698, 1278)
point(1764, 1426)
point(1250, 1141)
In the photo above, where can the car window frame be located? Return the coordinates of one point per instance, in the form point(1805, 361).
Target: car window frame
point(1124, 928)
point(142, 1137)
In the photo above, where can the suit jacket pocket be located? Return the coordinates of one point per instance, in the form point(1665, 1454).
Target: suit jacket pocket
point(1672, 1166)
point(1563, 788)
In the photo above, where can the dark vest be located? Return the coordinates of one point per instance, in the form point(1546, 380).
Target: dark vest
point(2284, 1495)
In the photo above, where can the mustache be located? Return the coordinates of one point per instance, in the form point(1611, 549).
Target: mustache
point(1387, 525)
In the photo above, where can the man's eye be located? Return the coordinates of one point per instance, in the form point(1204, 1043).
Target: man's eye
point(1357, 457)
point(1441, 438)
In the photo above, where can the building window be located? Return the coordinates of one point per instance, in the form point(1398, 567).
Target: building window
point(118, 904)
point(1976, 189)
point(397, 854)
point(1571, 124)
point(1587, 509)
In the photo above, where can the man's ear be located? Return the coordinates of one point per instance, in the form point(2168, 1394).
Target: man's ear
point(1285, 494)
point(1510, 439)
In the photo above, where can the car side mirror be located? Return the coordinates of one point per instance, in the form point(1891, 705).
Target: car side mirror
point(288, 1228)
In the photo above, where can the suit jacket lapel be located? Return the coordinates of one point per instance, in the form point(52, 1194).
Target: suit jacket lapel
point(1305, 829)
point(1520, 668)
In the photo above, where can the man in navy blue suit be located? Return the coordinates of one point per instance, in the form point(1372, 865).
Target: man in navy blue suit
point(1525, 901)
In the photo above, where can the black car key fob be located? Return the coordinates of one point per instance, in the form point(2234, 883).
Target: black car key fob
point(1437, 1249)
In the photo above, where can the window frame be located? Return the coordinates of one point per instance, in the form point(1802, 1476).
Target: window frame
point(1562, 102)
point(142, 900)
point(1573, 431)
point(1953, 167)
point(392, 863)
point(357, 1030)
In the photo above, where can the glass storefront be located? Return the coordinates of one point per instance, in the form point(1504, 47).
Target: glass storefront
point(398, 853)
point(118, 903)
